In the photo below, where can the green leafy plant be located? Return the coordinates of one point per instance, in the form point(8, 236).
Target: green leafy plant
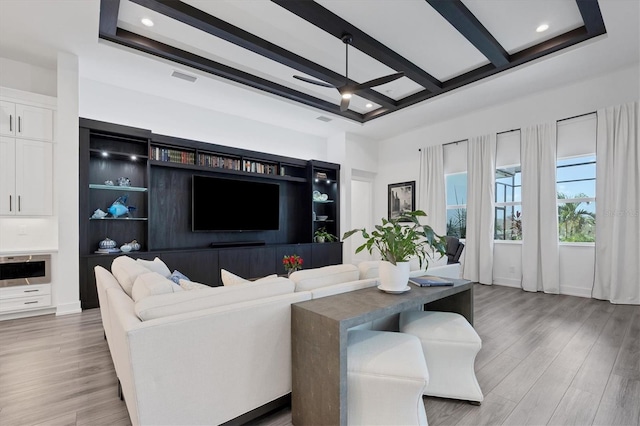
point(398, 240)
point(322, 235)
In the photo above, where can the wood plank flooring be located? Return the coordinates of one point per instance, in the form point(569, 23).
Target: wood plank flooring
point(546, 359)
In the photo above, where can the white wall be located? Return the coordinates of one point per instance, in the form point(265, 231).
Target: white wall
point(164, 116)
point(30, 78)
point(401, 162)
point(358, 159)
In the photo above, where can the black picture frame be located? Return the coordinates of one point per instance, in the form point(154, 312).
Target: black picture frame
point(401, 198)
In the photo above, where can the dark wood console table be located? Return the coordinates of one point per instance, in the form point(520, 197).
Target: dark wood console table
point(319, 342)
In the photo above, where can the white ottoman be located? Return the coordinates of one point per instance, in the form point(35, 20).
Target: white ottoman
point(386, 378)
point(450, 345)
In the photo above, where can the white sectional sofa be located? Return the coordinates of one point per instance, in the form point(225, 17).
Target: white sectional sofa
point(210, 355)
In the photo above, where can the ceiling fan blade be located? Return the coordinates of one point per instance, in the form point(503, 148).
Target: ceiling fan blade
point(344, 104)
point(316, 82)
point(379, 81)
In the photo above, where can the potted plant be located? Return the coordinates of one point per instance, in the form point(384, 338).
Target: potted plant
point(321, 235)
point(397, 241)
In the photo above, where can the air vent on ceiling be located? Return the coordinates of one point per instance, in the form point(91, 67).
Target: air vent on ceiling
point(323, 118)
point(182, 76)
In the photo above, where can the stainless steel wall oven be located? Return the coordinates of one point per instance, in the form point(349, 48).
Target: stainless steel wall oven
point(24, 270)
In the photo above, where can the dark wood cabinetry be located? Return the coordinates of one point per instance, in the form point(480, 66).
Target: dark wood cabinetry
point(160, 170)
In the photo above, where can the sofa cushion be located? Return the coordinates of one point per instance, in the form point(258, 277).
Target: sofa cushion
point(308, 279)
point(126, 270)
point(150, 284)
point(369, 269)
point(229, 278)
point(190, 285)
point(156, 265)
point(164, 305)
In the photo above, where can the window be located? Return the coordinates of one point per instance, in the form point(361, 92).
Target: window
point(508, 189)
point(457, 205)
point(576, 179)
point(576, 186)
point(455, 170)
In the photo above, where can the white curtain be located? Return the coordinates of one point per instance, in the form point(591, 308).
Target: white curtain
point(540, 254)
point(617, 274)
point(431, 195)
point(481, 172)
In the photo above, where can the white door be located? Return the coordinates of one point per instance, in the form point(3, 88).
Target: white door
point(7, 118)
point(361, 217)
point(34, 175)
point(34, 122)
point(7, 176)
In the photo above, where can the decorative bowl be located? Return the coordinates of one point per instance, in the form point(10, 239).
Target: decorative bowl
point(126, 248)
point(324, 197)
point(316, 195)
point(322, 218)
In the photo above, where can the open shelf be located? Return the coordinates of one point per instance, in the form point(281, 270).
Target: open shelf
point(118, 188)
point(119, 218)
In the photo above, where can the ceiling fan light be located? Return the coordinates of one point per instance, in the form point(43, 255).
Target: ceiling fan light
point(346, 96)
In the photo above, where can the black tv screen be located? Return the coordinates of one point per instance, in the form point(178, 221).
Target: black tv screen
point(221, 204)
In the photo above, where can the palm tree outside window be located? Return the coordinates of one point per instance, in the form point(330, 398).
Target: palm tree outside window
point(576, 187)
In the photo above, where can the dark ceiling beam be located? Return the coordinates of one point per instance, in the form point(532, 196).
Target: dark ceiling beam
point(591, 16)
point(170, 53)
point(109, 17)
point(468, 25)
point(196, 18)
point(328, 21)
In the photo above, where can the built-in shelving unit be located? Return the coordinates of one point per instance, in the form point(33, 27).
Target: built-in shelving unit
point(160, 170)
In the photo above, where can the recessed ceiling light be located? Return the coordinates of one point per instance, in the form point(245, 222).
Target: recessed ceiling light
point(105, 154)
point(542, 28)
point(369, 105)
point(134, 158)
point(147, 22)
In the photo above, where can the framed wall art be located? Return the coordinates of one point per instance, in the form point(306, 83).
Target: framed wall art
point(402, 198)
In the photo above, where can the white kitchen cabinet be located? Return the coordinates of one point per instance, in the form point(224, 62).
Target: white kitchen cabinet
point(25, 297)
point(26, 121)
point(26, 175)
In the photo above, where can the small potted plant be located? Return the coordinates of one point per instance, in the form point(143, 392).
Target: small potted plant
point(321, 235)
point(397, 241)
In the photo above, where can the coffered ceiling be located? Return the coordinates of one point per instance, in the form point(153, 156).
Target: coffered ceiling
point(35, 31)
point(439, 45)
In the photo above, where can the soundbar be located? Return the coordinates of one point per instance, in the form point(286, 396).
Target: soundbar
point(236, 244)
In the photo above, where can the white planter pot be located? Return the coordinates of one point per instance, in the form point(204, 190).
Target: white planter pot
point(394, 278)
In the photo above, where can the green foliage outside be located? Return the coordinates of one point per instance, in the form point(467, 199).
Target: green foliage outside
point(575, 224)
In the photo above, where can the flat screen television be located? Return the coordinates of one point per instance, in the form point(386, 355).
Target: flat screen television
point(222, 204)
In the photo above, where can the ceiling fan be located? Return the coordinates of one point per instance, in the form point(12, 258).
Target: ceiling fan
point(347, 89)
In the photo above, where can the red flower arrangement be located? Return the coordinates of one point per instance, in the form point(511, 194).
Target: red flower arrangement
point(292, 263)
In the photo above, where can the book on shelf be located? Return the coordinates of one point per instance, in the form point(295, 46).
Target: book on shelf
point(430, 281)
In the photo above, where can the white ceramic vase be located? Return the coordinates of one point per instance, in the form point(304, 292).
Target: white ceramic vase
point(394, 278)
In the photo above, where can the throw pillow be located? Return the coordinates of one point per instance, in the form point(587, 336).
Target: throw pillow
point(176, 276)
point(151, 284)
point(156, 265)
point(232, 279)
point(190, 285)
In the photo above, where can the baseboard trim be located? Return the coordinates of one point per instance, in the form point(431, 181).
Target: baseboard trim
point(575, 291)
point(68, 308)
point(507, 282)
point(26, 314)
point(565, 290)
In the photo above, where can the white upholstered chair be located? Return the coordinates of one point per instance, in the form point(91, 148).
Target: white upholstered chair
point(386, 378)
point(450, 345)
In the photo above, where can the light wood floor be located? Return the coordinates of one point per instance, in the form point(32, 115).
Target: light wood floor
point(545, 359)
